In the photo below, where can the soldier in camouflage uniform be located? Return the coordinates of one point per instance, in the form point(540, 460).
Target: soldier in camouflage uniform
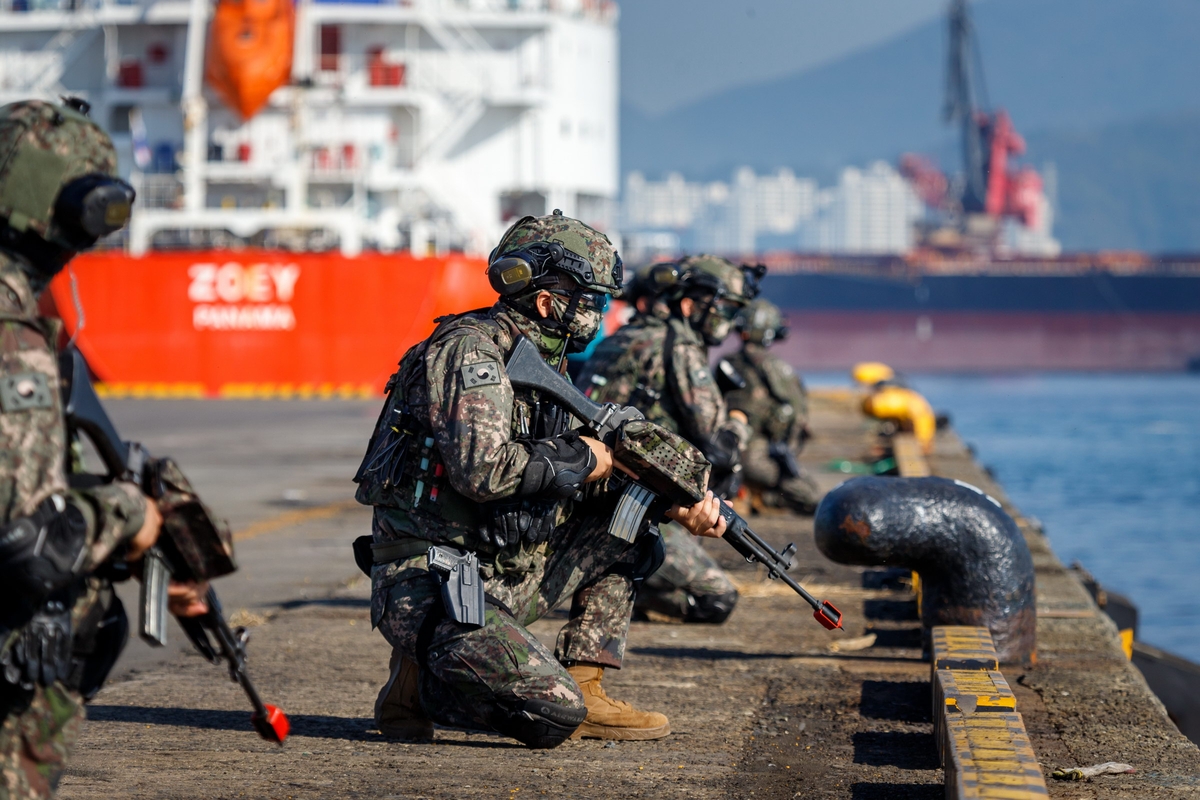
point(659, 364)
point(462, 460)
point(775, 402)
point(61, 627)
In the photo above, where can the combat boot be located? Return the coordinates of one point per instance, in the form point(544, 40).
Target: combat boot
point(398, 712)
point(613, 719)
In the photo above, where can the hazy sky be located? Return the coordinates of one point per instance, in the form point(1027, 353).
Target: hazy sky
point(676, 51)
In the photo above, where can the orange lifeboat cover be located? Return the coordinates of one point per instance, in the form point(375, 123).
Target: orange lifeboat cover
point(250, 51)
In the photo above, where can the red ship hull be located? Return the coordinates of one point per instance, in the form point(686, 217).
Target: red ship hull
point(979, 341)
point(259, 323)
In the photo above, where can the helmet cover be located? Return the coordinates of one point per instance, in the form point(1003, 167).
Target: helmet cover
point(44, 147)
point(714, 274)
point(595, 265)
point(761, 321)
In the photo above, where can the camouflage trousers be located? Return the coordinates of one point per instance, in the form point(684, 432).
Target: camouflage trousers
point(761, 472)
point(474, 676)
point(34, 742)
point(689, 585)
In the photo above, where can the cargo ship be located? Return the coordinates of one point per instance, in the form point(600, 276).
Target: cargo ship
point(927, 312)
point(965, 298)
point(316, 180)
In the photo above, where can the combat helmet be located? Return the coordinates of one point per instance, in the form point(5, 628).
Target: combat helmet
point(648, 284)
point(724, 288)
point(59, 190)
point(761, 321)
point(566, 257)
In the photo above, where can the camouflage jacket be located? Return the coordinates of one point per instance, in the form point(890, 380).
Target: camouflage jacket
point(33, 445)
point(774, 400)
point(661, 368)
point(449, 437)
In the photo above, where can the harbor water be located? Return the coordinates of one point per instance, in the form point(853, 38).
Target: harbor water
point(1111, 466)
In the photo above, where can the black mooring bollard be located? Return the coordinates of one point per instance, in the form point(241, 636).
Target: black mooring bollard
point(974, 564)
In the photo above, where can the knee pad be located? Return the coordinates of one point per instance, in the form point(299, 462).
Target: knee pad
point(711, 608)
point(538, 724)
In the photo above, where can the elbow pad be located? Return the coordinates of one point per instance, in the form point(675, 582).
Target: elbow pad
point(722, 451)
point(557, 467)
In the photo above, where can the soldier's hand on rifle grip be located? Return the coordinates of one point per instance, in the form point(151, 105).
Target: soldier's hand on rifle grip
point(145, 538)
point(702, 519)
point(186, 598)
point(604, 459)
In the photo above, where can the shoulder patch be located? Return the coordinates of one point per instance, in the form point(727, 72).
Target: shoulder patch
point(485, 373)
point(25, 391)
point(702, 376)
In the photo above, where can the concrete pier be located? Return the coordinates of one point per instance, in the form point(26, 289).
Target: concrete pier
point(768, 705)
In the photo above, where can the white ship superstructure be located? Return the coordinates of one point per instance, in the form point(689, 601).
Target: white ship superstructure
point(413, 124)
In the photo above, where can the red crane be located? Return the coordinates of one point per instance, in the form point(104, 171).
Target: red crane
point(988, 141)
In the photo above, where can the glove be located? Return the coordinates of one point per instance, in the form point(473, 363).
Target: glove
point(528, 521)
point(557, 466)
point(722, 450)
point(41, 653)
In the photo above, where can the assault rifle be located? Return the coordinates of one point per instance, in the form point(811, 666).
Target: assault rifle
point(192, 546)
point(653, 453)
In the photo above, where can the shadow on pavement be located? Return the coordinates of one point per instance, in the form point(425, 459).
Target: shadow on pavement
point(903, 701)
point(314, 726)
point(710, 654)
point(897, 791)
point(893, 610)
point(895, 749)
point(328, 602)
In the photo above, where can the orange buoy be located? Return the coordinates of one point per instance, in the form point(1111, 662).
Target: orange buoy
point(250, 51)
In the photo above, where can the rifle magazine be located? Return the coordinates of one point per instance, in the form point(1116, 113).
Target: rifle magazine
point(152, 614)
point(631, 510)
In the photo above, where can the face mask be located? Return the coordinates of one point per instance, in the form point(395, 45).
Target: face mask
point(715, 329)
point(717, 323)
point(587, 321)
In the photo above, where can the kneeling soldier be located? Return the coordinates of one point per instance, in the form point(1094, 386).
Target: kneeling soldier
point(775, 402)
point(658, 363)
point(490, 510)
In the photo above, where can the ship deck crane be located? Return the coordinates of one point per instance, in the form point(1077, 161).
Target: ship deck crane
point(989, 190)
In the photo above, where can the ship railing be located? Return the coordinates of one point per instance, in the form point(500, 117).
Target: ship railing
point(63, 6)
point(157, 190)
point(399, 74)
point(601, 10)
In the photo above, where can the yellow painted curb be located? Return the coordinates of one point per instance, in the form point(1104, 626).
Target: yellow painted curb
point(981, 739)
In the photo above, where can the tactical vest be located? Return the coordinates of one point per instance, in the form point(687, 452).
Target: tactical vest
point(770, 387)
point(78, 633)
point(402, 474)
point(631, 366)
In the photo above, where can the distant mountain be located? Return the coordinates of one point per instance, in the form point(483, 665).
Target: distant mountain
point(1127, 185)
point(1106, 89)
point(1071, 64)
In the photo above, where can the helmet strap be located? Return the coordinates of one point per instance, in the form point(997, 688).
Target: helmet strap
point(564, 325)
point(551, 328)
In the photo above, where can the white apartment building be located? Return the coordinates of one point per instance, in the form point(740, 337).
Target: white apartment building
point(869, 211)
